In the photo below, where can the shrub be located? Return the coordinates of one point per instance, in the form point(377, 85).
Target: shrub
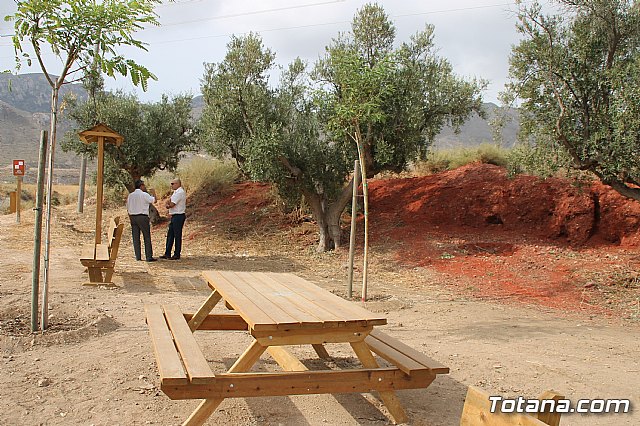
point(448, 159)
point(207, 175)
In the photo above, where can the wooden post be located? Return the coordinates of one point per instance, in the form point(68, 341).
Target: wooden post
point(81, 184)
point(352, 239)
point(100, 134)
point(99, 189)
point(18, 192)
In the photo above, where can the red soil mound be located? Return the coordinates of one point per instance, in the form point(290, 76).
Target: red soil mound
point(545, 242)
point(481, 198)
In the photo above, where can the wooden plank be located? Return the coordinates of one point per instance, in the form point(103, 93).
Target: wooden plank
point(345, 310)
point(88, 252)
point(255, 384)
point(167, 358)
point(222, 321)
point(204, 310)
point(246, 283)
point(257, 315)
point(476, 412)
point(321, 351)
point(406, 364)
point(280, 295)
point(209, 405)
point(102, 252)
point(389, 397)
point(194, 361)
point(308, 336)
point(548, 417)
point(252, 314)
point(115, 243)
point(286, 359)
point(421, 358)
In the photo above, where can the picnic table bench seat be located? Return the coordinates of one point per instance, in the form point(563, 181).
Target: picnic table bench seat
point(405, 357)
point(100, 259)
point(186, 374)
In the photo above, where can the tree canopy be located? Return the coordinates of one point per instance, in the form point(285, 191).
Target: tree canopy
point(577, 74)
point(155, 134)
point(299, 134)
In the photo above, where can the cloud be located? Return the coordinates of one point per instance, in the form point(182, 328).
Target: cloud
point(475, 36)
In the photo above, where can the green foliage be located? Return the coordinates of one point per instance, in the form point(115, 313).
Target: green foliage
point(72, 29)
point(155, 134)
point(401, 98)
point(577, 74)
point(237, 98)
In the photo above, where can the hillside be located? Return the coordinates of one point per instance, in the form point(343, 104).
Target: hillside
point(24, 113)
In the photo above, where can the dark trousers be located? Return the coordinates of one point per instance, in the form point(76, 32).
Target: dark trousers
point(140, 223)
point(174, 235)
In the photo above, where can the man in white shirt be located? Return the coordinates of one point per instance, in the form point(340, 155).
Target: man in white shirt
point(138, 204)
point(177, 205)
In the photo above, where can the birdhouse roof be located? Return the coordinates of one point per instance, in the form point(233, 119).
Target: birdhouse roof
point(101, 130)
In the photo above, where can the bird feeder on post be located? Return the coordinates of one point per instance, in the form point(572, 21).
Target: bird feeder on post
point(100, 134)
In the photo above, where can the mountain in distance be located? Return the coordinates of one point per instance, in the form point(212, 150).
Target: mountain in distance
point(25, 111)
point(474, 131)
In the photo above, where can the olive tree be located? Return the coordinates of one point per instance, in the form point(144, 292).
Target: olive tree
point(300, 134)
point(156, 134)
point(576, 73)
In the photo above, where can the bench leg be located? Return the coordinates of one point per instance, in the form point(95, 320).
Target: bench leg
point(389, 398)
point(243, 364)
point(321, 351)
point(108, 274)
point(95, 275)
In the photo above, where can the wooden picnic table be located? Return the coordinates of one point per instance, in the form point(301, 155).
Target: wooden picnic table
point(279, 310)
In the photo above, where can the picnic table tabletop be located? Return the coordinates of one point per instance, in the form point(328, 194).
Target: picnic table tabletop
point(283, 301)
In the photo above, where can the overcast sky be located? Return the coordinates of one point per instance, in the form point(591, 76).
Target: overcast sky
point(474, 35)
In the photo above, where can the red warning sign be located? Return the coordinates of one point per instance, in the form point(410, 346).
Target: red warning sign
point(18, 167)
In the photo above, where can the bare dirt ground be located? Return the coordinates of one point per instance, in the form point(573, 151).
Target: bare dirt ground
point(517, 286)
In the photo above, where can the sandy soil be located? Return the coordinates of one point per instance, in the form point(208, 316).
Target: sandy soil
point(95, 364)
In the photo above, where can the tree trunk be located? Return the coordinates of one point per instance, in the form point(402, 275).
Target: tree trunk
point(327, 216)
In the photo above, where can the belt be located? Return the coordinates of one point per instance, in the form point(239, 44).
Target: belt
point(177, 214)
point(141, 214)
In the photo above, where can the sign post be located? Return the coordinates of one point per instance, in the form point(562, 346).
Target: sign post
point(18, 172)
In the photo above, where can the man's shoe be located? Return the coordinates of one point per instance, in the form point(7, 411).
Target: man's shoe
point(174, 258)
point(164, 256)
point(153, 259)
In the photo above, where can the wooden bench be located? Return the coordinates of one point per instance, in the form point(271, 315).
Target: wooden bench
point(477, 412)
point(100, 259)
point(405, 357)
point(185, 373)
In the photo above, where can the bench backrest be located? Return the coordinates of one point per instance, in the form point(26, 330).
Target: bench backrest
point(477, 412)
point(114, 235)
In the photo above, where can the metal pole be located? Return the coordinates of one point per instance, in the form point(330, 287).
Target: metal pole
point(352, 240)
point(37, 233)
point(18, 196)
point(83, 176)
